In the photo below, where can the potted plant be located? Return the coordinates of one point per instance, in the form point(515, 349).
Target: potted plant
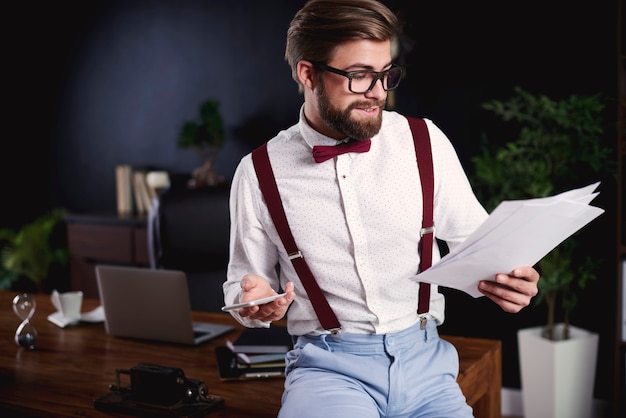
point(30, 252)
point(557, 143)
point(207, 138)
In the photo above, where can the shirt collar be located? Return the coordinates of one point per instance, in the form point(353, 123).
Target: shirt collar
point(311, 136)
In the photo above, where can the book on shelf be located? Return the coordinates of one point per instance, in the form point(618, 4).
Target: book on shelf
point(138, 199)
point(143, 199)
point(124, 189)
point(133, 192)
point(274, 339)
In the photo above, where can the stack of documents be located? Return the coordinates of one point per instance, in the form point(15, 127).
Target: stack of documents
point(258, 353)
point(517, 233)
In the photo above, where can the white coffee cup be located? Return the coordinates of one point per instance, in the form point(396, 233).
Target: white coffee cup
point(69, 304)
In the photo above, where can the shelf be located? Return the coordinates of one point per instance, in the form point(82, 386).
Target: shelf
point(103, 238)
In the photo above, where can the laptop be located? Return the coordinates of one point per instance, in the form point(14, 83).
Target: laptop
point(151, 304)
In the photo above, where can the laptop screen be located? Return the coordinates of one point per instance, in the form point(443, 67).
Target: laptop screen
point(150, 304)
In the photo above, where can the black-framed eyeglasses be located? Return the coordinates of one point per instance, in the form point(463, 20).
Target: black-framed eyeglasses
point(363, 81)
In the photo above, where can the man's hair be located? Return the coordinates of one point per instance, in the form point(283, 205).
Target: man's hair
point(322, 25)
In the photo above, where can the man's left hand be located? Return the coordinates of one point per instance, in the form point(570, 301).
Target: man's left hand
point(513, 291)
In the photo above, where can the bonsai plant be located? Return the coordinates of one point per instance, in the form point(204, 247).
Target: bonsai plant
point(557, 142)
point(29, 252)
point(207, 138)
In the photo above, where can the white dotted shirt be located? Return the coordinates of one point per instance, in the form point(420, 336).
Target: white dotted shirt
point(356, 219)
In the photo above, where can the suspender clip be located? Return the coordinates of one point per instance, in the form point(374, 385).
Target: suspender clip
point(429, 230)
point(297, 254)
point(335, 331)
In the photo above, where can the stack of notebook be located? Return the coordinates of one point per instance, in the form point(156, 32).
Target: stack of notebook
point(258, 353)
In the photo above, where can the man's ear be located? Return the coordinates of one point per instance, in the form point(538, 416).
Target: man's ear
point(306, 74)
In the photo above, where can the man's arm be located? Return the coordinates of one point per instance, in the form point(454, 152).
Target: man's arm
point(252, 252)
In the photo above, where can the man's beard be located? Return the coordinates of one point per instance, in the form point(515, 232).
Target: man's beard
point(340, 120)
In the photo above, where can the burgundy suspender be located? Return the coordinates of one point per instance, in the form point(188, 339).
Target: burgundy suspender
point(421, 139)
point(267, 182)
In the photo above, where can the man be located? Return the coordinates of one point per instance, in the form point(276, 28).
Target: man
point(356, 218)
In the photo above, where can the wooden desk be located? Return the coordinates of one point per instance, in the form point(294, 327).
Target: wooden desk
point(71, 367)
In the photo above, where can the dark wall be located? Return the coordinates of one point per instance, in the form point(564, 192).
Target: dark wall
point(122, 77)
point(100, 83)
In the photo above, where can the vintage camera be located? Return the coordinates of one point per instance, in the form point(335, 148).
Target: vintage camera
point(162, 385)
point(158, 391)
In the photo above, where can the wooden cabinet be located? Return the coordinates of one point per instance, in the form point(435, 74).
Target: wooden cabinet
point(103, 239)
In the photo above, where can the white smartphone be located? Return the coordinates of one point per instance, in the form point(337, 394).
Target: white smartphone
point(252, 302)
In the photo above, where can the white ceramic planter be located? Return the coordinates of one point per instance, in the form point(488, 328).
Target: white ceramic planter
point(557, 376)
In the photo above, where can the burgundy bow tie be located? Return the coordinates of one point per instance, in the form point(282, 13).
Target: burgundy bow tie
point(322, 153)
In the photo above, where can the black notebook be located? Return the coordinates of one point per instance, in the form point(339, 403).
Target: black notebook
point(230, 367)
point(274, 339)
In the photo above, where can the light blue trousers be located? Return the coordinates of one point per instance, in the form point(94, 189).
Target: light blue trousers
point(411, 373)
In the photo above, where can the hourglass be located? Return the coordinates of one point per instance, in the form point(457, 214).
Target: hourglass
point(24, 307)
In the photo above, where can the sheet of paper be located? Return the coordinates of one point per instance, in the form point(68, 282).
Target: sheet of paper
point(517, 233)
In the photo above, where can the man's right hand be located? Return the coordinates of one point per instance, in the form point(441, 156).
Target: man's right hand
point(256, 287)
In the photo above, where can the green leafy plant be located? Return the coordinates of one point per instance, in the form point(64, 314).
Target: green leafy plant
point(207, 138)
point(557, 143)
point(28, 252)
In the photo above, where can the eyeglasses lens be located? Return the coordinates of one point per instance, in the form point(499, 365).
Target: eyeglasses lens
point(393, 78)
point(364, 82)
